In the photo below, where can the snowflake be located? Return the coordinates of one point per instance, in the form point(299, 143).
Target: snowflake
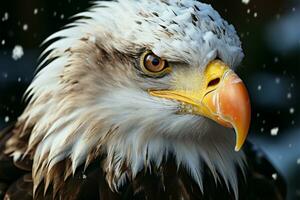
point(5, 17)
point(17, 52)
point(245, 1)
point(274, 176)
point(5, 75)
point(298, 161)
point(262, 130)
point(292, 110)
point(35, 11)
point(6, 119)
point(25, 27)
point(259, 87)
point(292, 85)
point(274, 131)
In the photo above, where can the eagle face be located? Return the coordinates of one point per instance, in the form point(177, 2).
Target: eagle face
point(137, 81)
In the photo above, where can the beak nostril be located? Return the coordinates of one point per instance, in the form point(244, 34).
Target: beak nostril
point(213, 82)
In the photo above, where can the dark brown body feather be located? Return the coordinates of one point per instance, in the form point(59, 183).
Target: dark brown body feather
point(166, 182)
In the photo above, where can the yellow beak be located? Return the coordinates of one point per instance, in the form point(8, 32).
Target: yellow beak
point(220, 96)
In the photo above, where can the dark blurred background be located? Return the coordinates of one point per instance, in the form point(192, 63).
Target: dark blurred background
point(269, 30)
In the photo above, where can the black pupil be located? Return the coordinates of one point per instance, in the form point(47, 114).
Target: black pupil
point(155, 61)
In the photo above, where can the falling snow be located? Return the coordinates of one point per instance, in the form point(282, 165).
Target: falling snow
point(5, 75)
point(25, 27)
point(246, 1)
point(289, 95)
point(262, 130)
point(259, 87)
point(274, 131)
point(3, 42)
point(298, 161)
point(292, 85)
point(274, 176)
point(17, 52)
point(5, 17)
point(6, 119)
point(292, 110)
point(35, 11)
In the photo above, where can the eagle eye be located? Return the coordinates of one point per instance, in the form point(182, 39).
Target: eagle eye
point(153, 65)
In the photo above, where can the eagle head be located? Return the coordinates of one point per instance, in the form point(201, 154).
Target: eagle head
point(137, 81)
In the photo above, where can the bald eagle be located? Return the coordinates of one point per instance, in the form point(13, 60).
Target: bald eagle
point(134, 100)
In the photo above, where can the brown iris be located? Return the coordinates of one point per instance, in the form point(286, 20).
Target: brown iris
point(153, 65)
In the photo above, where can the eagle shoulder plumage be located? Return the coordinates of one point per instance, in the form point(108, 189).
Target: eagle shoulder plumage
point(135, 100)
